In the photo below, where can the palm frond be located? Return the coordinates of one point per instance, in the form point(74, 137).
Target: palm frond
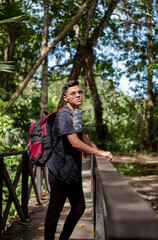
point(6, 66)
point(13, 19)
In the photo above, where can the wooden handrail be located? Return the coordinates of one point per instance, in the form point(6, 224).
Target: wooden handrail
point(119, 212)
point(7, 154)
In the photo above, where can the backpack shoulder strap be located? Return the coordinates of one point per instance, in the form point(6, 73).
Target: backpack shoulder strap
point(44, 113)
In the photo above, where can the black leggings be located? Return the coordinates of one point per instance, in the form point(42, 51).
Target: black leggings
point(58, 194)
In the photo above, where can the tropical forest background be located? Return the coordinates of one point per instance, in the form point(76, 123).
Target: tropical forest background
point(100, 43)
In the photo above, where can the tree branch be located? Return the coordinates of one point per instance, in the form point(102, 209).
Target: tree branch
point(132, 15)
point(89, 21)
point(145, 13)
point(59, 79)
point(69, 26)
point(137, 23)
point(62, 65)
point(104, 22)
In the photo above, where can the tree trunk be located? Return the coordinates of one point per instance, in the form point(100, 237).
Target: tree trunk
point(104, 22)
point(6, 58)
point(8, 54)
point(101, 130)
point(78, 63)
point(150, 103)
point(44, 80)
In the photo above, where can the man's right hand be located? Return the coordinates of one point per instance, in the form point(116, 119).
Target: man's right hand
point(105, 154)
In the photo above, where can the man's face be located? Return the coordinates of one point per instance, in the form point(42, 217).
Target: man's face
point(73, 96)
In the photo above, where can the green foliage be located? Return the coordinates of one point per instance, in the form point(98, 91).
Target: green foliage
point(10, 136)
point(10, 11)
point(21, 52)
point(136, 169)
point(5, 17)
point(13, 129)
point(5, 127)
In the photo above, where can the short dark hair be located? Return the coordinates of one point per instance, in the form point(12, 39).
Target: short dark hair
point(71, 83)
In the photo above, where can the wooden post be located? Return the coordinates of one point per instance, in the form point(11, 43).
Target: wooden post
point(39, 180)
point(25, 185)
point(92, 157)
point(33, 183)
point(1, 190)
point(99, 210)
point(9, 202)
point(45, 174)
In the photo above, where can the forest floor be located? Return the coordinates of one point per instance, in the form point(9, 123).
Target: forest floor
point(145, 186)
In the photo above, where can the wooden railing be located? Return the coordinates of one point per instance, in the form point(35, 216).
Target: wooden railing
point(119, 212)
point(24, 169)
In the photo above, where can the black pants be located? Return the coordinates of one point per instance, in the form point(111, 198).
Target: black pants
point(58, 194)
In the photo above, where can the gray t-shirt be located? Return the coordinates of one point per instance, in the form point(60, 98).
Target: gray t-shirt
point(66, 161)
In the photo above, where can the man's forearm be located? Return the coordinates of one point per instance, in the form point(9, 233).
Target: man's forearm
point(83, 147)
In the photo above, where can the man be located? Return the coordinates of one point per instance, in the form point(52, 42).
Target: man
point(65, 164)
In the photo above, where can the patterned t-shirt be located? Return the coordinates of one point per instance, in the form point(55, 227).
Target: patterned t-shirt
point(66, 161)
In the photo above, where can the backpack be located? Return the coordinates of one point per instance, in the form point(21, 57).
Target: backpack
point(40, 140)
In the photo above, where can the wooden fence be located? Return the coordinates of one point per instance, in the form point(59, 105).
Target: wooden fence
point(24, 169)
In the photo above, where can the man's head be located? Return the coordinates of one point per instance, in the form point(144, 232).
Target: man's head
point(72, 94)
point(68, 84)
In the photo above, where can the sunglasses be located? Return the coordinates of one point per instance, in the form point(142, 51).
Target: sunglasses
point(74, 94)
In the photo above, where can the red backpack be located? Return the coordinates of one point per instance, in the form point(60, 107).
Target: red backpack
point(40, 140)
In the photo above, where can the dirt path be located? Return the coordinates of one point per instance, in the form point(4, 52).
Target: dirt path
point(145, 186)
